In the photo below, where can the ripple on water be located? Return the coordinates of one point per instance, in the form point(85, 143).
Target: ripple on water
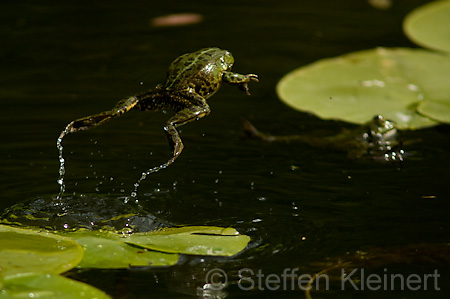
point(83, 211)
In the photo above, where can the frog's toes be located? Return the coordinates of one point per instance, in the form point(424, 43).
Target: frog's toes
point(252, 77)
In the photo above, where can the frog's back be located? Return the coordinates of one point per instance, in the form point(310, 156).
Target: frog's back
point(196, 68)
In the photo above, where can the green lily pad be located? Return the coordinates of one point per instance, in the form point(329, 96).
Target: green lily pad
point(357, 86)
point(197, 240)
point(25, 250)
point(38, 285)
point(437, 110)
point(429, 25)
point(108, 250)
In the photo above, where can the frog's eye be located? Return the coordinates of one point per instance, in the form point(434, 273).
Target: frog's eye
point(227, 59)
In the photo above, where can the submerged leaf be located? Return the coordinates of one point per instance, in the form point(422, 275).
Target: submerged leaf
point(26, 250)
point(357, 86)
point(37, 285)
point(429, 25)
point(198, 240)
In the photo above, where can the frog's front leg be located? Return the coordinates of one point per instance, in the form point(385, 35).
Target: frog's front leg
point(242, 80)
point(180, 118)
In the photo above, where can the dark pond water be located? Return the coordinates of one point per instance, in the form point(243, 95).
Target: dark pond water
point(61, 61)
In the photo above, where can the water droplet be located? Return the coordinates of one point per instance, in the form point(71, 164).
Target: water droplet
point(62, 169)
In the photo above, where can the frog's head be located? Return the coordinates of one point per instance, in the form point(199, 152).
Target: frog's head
point(384, 140)
point(226, 60)
point(380, 126)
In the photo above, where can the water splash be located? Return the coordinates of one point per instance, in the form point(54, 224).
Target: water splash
point(62, 167)
point(87, 211)
point(62, 170)
point(145, 174)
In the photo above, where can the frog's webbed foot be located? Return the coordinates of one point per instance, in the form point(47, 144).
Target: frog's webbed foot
point(241, 80)
point(91, 121)
point(180, 118)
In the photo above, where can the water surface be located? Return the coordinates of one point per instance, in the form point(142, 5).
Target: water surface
point(300, 205)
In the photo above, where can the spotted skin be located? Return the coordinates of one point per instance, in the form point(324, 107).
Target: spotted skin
point(191, 79)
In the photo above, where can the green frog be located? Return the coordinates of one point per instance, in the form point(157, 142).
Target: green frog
point(378, 139)
point(191, 79)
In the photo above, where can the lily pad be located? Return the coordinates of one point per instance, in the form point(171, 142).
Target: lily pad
point(429, 25)
point(197, 240)
point(359, 85)
point(437, 110)
point(25, 250)
point(108, 250)
point(37, 285)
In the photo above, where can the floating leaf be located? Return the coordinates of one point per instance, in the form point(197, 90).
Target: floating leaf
point(109, 251)
point(357, 86)
point(437, 110)
point(199, 240)
point(429, 25)
point(25, 250)
point(37, 285)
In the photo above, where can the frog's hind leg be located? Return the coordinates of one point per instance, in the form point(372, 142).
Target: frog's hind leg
point(91, 121)
point(180, 118)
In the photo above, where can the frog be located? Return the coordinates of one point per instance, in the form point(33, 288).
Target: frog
point(191, 79)
point(378, 139)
